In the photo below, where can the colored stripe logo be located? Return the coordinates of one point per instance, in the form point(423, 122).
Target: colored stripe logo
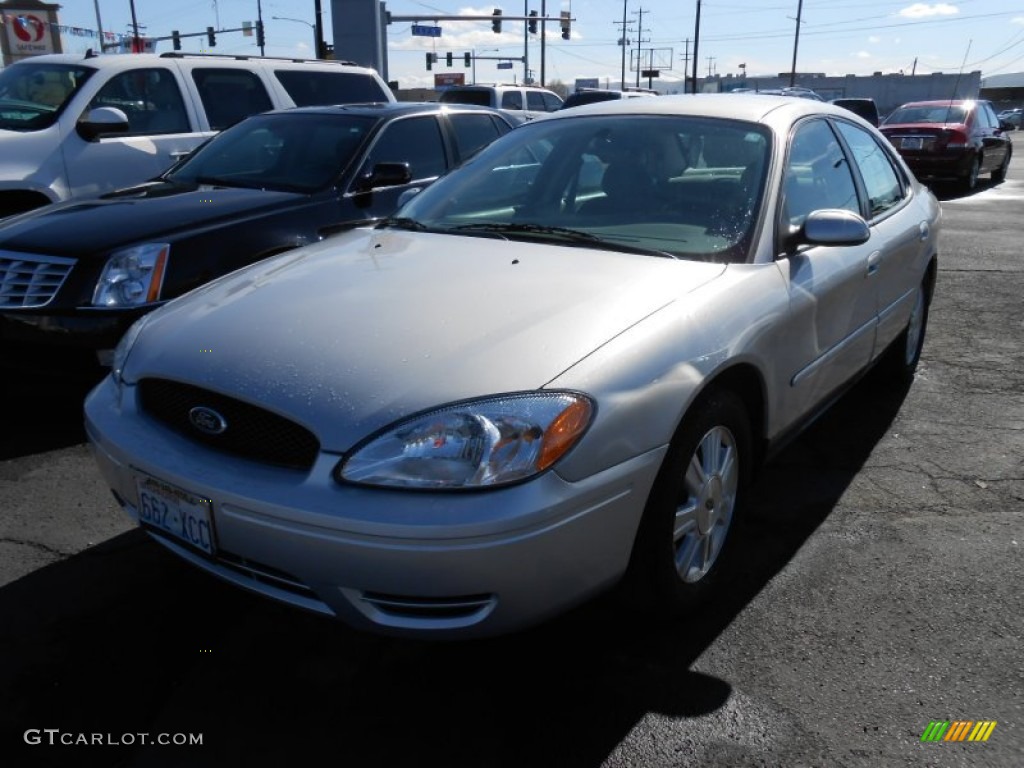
point(958, 730)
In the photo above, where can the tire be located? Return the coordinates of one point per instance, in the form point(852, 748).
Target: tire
point(898, 366)
point(970, 181)
point(999, 174)
point(689, 522)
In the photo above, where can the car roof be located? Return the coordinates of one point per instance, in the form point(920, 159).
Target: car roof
point(123, 61)
point(390, 108)
point(751, 107)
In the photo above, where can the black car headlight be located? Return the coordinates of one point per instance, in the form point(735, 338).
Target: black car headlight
point(132, 276)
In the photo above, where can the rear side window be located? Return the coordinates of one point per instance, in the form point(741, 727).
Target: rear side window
point(551, 102)
point(229, 95)
point(149, 98)
point(473, 132)
point(512, 100)
point(883, 184)
point(480, 98)
point(309, 89)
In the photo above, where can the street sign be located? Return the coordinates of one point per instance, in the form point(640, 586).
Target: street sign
point(650, 73)
point(420, 30)
point(448, 79)
point(504, 65)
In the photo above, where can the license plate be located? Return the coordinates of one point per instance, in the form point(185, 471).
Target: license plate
point(912, 142)
point(176, 512)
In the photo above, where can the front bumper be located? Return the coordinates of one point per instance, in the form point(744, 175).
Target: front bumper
point(412, 563)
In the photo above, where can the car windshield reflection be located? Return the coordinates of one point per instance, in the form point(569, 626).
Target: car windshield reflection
point(290, 152)
point(665, 185)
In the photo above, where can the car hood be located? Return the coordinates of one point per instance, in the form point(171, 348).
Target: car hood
point(151, 212)
point(351, 334)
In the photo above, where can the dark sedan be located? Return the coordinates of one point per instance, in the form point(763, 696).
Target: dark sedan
point(76, 274)
point(950, 140)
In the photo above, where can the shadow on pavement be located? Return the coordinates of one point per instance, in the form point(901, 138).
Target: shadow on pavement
point(123, 638)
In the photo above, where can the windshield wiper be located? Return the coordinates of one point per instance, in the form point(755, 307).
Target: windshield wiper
point(564, 234)
point(403, 222)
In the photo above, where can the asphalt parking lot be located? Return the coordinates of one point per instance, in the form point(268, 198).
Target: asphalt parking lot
point(881, 591)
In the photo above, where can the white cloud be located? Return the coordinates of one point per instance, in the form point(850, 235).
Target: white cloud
point(862, 55)
point(1017, 20)
point(874, 39)
point(923, 10)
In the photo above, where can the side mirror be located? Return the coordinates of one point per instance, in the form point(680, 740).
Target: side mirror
point(1005, 125)
point(831, 226)
point(384, 175)
point(101, 121)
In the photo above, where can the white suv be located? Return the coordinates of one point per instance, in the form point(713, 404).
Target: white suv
point(523, 102)
point(74, 126)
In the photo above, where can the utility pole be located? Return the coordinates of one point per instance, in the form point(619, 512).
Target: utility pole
point(711, 60)
point(796, 42)
point(639, 41)
point(622, 42)
point(543, 37)
point(526, 44)
point(318, 29)
point(696, 42)
point(135, 28)
point(686, 62)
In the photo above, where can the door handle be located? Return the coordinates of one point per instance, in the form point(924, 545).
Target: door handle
point(874, 261)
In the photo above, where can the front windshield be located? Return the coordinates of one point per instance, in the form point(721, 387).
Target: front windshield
point(689, 187)
point(33, 94)
point(296, 152)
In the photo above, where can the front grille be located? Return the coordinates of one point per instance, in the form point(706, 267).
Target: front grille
point(252, 432)
point(30, 281)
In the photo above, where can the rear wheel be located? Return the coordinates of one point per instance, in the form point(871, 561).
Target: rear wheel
point(970, 181)
point(999, 174)
point(688, 524)
point(901, 359)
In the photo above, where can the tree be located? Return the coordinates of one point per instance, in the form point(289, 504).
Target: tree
point(558, 87)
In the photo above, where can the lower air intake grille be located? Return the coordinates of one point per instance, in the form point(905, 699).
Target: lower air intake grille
point(250, 431)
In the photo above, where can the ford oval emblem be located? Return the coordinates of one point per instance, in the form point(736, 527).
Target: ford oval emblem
point(207, 420)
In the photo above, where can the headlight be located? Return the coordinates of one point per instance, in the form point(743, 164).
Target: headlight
point(476, 444)
point(124, 347)
point(133, 276)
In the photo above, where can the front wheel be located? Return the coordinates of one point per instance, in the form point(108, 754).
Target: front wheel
point(690, 518)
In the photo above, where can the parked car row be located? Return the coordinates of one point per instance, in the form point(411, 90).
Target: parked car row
point(268, 184)
point(553, 370)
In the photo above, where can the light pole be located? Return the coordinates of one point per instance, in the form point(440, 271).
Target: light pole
point(316, 52)
point(796, 42)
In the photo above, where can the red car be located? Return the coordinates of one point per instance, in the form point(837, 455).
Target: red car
point(956, 140)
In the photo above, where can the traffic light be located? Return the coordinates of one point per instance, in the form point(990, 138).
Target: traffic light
point(260, 40)
point(496, 22)
point(468, 59)
point(533, 22)
point(211, 38)
point(430, 61)
point(566, 21)
point(448, 58)
point(176, 40)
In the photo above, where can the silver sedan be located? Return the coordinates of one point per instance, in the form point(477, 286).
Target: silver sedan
point(553, 371)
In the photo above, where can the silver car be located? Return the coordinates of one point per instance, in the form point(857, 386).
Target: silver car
point(553, 371)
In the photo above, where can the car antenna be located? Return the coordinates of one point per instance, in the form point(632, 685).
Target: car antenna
point(956, 85)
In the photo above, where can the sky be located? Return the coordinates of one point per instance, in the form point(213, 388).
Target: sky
point(837, 37)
